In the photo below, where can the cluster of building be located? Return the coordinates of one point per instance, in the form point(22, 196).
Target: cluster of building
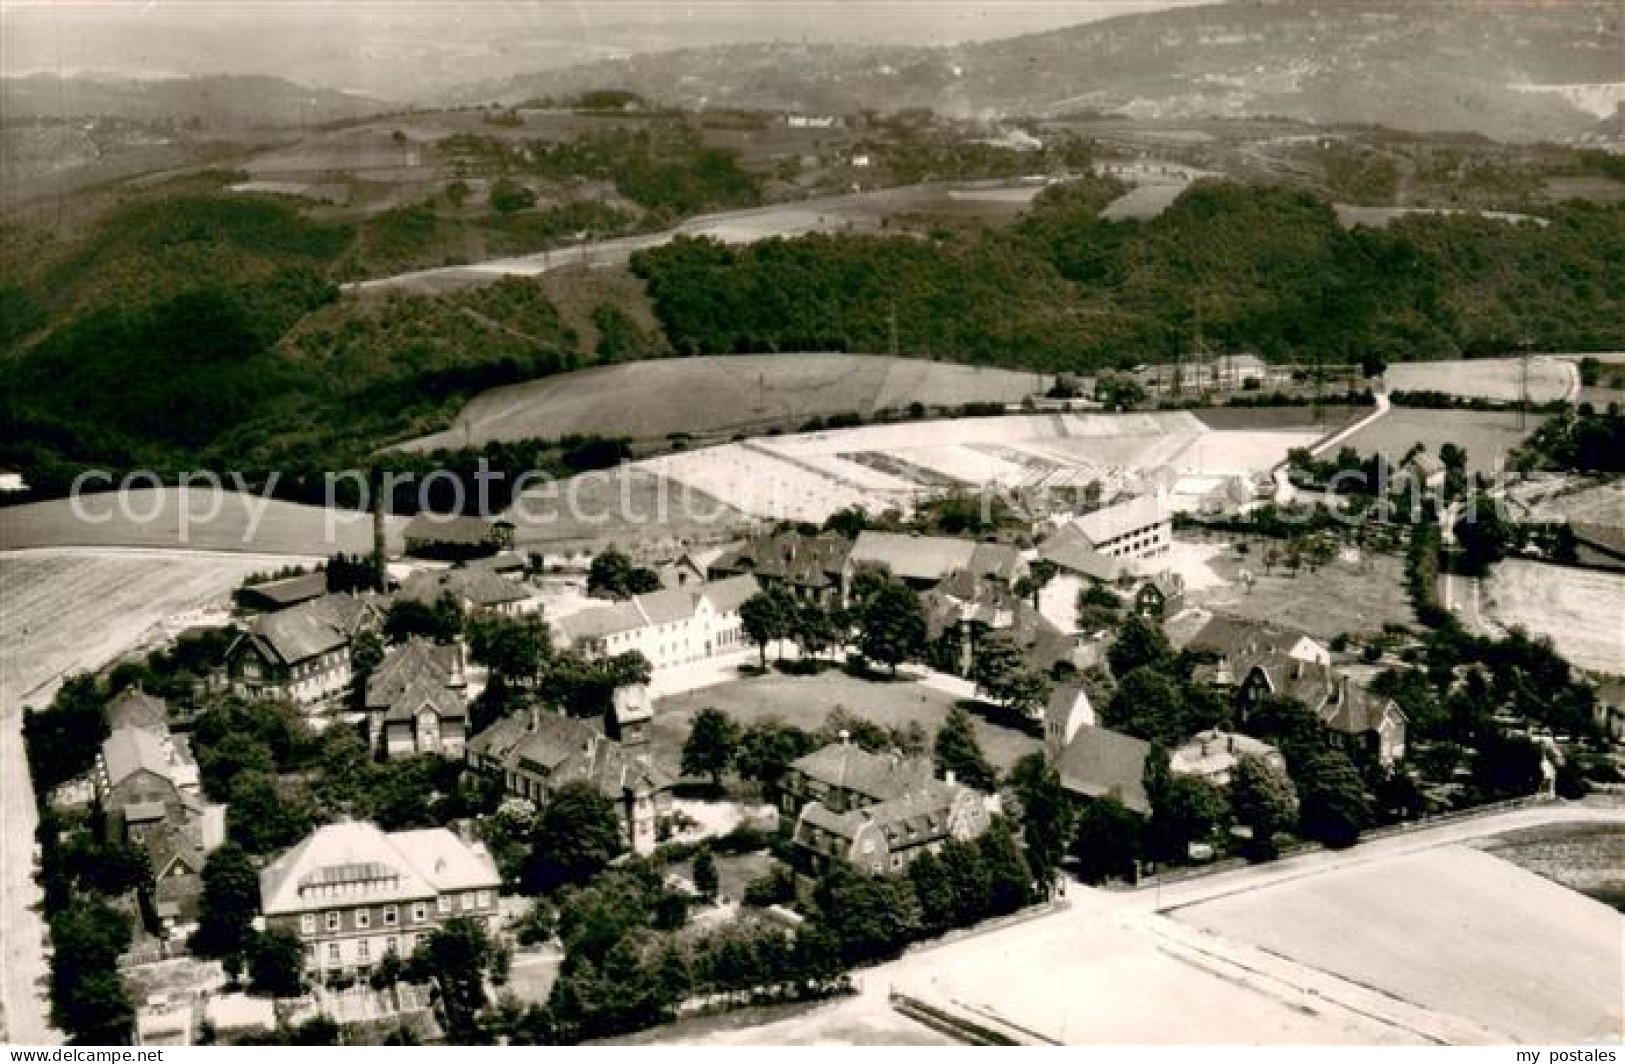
point(146, 784)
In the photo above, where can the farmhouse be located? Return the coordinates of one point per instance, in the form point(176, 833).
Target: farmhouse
point(1212, 755)
point(301, 654)
point(923, 562)
point(475, 588)
point(534, 753)
point(843, 777)
point(445, 536)
point(812, 568)
point(354, 894)
point(138, 782)
point(885, 838)
point(417, 701)
point(671, 627)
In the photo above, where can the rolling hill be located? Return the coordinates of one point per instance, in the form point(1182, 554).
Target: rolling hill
point(1451, 65)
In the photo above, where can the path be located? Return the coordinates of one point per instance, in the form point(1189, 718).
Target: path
point(1283, 484)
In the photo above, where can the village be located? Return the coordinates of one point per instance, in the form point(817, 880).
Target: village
point(376, 795)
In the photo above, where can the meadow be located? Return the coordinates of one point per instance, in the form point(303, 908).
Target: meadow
point(1488, 436)
point(1577, 609)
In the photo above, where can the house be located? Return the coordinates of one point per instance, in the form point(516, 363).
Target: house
point(446, 536)
point(176, 858)
point(923, 562)
point(1136, 529)
point(354, 894)
point(134, 708)
point(1162, 595)
point(1068, 548)
point(417, 701)
point(843, 776)
point(1356, 719)
point(1099, 763)
point(280, 594)
point(134, 783)
point(1238, 643)
point(675, 626)
point(962, 610)
point(885, 838)
point(300, 654)
point(533, 753)
point(1068, 710)
point(475, 588)
point(812, 568)
point(1212, 755)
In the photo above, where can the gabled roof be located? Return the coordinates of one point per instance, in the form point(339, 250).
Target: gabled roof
point(1309, 682)
point(803, 561)
point(1121, 518)
point(426, 691)
point(480, 585)
point(1065, 698)
point(311, 628)
point(1239, 637)
point(726, 596)
point(363, 865)
point(405, 665)
point(567, 749)
point(286, 592)
point(1070, 549)
point(134, 708)
point(130, 750)
point(461, 531)
point(851, 767)
point(929, 558)
point(1101, 763)
point(671, 606)
point(602, 621)
point(917, 816)
point(1355, 710)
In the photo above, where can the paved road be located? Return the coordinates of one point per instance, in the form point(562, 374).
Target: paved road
point(22, 932)
point(1283, 484)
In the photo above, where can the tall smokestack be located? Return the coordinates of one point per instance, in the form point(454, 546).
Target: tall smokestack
point(380, 557)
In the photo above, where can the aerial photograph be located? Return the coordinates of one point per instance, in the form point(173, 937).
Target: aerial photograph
point(772, 523)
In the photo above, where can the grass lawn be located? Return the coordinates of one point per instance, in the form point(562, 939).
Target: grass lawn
point(1340, 597)
point(734, 872)
point(806, 700)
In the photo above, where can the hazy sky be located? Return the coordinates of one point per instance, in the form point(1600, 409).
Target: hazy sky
point(405, 48)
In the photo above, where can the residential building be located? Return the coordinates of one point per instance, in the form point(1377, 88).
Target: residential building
point(1356, 719)
point(1240, 642)
point(354, 894)
point(1100, 763)
point(843, 776)
point(301, 654)
point(1160, 595)
point(1069, 709)
point(923, 562)
point(417, 701)
point(962, 611)
point(886, 837)
point(631, 715)
point(475, 588)
point(536, 752)
point(445, 536)
point(812, 568)
point(671, 627)
point(1212, 755)
point(134, 708)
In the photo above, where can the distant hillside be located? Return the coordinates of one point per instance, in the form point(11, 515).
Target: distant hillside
point(208, 101)
point(1444, 65)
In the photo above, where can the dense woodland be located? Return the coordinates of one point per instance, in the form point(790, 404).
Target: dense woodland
point(266, 366)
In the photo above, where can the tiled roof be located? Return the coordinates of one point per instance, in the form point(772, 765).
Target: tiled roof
point(289, 591)
point(1070, 549)
point(566, 749)
point(480, 585)
point(134, 708)
point(130, 750)
point(405, 665)
point(1113, 521)
point(804, 561)
point(919, 815)
point(426, 691)
point(913, 557)
point(850, 767)
point(311, 628)
point(671, 606)
point(366, 866)
point(1100, 763)
point(1356, 710)
point(726, 596)
point(1234, 636)
point(601, 621)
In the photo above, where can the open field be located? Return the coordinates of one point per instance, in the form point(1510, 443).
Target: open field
point(1339, 597)
point(806, 700)
point(1452, 930)
point(807, 476)
point(1487, 378)
point(627, 507)
point(1579, 500)
point(1488, 435)
point(191, 520)
point(1577, 609)
point(722, 394)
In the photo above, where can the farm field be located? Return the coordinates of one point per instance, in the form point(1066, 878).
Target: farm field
point(808, 476)
point(191, 520)
point(1340, 597)
point(1488, 435)
point(1580, 500)
point(717, 394)
point(1450, 929)
point(806, 700)
point(627, 507)
point(1577, 609)
point(1487, 378)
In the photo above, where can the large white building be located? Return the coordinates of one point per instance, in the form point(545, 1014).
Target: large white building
point(671, 627)
point(354, 894)
point(1139, 528)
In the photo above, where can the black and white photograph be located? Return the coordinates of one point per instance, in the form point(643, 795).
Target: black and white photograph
point(812, 523)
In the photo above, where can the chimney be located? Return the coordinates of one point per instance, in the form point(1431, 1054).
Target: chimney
point(1230, 743)
point(535, 716)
